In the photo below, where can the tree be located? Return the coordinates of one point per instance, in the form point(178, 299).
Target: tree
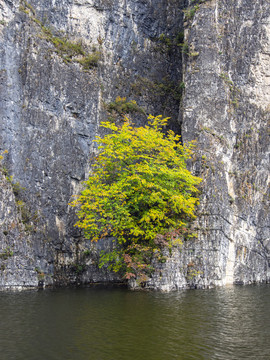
point(139, 192)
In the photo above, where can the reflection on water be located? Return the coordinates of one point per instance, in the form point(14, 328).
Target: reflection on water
point(84, 324)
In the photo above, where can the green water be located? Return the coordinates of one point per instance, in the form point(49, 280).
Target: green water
point(101, 324)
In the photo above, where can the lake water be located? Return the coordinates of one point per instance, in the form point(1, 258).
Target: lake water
point(102, 324)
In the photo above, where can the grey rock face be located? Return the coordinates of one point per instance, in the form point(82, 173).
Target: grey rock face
point(51, 107)
point(16, 251)
point(226, 109)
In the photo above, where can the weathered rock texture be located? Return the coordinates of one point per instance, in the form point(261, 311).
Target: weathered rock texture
point(226, 109)
point(51, 107)
point(17, 260)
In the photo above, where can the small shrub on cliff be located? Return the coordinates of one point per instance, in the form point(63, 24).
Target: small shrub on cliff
point(90, 61)
point(122, 106)
point(139, 192)
point(2, 155)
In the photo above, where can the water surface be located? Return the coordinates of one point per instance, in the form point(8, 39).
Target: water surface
point(100, 324)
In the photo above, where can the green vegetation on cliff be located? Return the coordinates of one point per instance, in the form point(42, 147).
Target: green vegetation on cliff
point(68, 50)
point(140, 193)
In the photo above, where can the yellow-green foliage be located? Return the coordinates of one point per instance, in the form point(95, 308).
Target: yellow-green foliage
point(69, 50)
point(2, 155)
point(122, 106)
point(190, 12)
point(139, 191)
point(72, 51)
point(7, 252)
point(90, 61)
point(66, 47)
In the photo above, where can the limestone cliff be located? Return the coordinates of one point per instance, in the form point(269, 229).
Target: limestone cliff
point(206, 64)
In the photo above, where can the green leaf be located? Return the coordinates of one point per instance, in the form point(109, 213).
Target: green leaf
point(138, 190)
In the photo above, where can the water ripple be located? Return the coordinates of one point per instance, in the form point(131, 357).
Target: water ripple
point(98, 324)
